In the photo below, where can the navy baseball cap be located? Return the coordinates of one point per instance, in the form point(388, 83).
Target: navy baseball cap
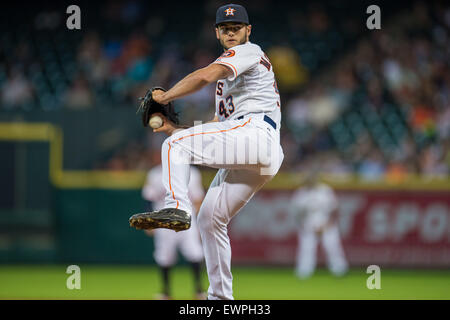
point(231, 13)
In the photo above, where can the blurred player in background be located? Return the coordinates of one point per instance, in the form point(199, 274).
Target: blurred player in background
point(167, 241)
point(316, 205)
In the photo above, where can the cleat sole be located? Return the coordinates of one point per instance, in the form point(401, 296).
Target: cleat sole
point(150, 223)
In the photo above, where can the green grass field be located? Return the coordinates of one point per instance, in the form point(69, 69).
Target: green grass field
point(141, 282)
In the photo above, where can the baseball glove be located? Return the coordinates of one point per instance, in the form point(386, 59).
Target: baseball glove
point(148, 106)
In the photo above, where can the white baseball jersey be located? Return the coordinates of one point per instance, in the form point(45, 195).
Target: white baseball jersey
point(251, 89)
point(166, 241)
point(318, 203)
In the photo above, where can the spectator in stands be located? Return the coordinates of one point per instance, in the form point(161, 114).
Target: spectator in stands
point(396, 171)
point(344, 85)
point(443, 122)
point(318, 19)
point(298, 117)
point(136, 55)
point(17, 91)
point(334, 164)
point(322, 107)
point(375, 94)
point(79, 96)
point(432, 163)
point(92, 60)
point(372, 167)
point(133, 67)
point(422, 119)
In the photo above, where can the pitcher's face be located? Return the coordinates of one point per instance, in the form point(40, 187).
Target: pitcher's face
point(231, 34)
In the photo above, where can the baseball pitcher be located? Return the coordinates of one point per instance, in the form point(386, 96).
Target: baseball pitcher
point(242, 141)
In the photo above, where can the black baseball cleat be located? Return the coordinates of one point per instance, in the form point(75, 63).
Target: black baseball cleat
point(169, 218)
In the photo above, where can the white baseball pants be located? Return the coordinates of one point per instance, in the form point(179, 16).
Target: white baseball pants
point(307, 251)
point(167, 242)
point(248, 154)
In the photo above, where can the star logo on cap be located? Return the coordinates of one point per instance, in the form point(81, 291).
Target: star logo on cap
point(230, 11)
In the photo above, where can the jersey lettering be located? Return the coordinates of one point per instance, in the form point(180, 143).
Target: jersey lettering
point(228, 110)
point(222, 110)
point(219, 91)
point(230, 104)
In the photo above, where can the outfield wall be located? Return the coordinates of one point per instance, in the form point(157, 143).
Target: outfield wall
point(398, 228)
point(388, 228)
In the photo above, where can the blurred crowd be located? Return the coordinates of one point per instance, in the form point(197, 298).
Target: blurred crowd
point(404, 65)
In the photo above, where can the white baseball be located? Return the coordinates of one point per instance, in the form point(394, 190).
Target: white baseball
point(155, 122)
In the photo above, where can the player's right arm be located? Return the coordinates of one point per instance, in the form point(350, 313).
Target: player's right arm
point(193, 82)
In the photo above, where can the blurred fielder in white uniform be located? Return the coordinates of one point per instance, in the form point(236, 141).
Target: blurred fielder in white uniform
point(166, 242)
point(242, 141)
point(316, 205)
